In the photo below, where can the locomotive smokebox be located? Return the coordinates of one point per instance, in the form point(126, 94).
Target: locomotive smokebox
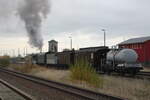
point(40, 50)
point(122, 56)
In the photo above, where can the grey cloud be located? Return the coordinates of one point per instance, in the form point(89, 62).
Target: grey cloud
point(119, 17)
point(125, 16)
point(7, 8)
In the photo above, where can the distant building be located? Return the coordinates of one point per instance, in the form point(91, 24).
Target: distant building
point(53, 46)
point(141, 46)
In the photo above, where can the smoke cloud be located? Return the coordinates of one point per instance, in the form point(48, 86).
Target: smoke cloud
point(32, 13)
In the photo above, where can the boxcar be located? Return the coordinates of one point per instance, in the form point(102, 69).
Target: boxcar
point(95, 56)
point(41, 59)
point(51, 58)
point(65, 58)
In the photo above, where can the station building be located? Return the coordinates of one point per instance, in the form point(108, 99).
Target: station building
point(141, 45)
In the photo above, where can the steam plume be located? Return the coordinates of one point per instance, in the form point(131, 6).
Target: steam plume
point(32, 12)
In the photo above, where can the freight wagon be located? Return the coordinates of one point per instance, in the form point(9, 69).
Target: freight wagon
point(95, 56)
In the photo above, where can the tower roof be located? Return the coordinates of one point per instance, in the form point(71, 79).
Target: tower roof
point(53, 41)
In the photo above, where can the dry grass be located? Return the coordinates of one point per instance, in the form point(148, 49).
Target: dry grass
point(24, 68)
point(134, 89)
point(52, 74)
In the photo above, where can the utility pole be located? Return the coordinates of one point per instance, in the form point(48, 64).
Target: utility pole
point(19, 52)
point(104, 36)
point(13, 52)
point(26, 51)
point(70, 42)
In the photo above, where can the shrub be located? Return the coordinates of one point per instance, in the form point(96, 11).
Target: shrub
point(4, 61)
point(82, 71)
point(24, 68)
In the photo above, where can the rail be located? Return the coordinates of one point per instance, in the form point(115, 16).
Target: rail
point(144, 74)
point(16, 90)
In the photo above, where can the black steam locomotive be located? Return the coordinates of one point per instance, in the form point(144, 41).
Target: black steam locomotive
point(101, 58)
point(96, 56)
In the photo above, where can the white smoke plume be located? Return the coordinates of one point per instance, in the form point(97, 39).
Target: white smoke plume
point(32, 13)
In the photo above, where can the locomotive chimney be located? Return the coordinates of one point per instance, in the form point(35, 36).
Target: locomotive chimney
point(41, 50)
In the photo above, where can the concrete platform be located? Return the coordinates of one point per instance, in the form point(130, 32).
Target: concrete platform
point(8, 94)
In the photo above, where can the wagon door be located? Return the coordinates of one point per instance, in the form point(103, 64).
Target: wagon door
point(99, 60)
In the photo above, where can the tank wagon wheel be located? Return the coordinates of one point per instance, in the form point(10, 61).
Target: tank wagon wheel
point(132, 72)
point(109, 72)
point(122, 73)
point(106, 70)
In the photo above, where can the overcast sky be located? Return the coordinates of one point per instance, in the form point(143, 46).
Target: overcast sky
point(82, 19)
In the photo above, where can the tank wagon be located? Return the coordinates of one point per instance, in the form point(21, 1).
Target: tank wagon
point(123, 60)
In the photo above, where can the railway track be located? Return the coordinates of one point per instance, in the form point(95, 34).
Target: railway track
point(20, 93)
point(144, 74)
point(140, 75)
point(50, 90)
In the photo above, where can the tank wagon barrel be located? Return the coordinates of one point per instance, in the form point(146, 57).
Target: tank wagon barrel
point(122, 56)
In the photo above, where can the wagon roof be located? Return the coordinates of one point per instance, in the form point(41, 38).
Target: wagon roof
point(92, 49)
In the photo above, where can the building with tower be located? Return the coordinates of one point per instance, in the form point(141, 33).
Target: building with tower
point(141, 45)
point(53, 46)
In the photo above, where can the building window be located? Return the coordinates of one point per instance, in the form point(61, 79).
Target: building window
point(136, 46)
point(139, 46)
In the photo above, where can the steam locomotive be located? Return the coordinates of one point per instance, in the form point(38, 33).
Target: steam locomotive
point(101, 58)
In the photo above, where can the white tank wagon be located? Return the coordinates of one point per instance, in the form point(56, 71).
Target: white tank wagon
point(123, 60)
